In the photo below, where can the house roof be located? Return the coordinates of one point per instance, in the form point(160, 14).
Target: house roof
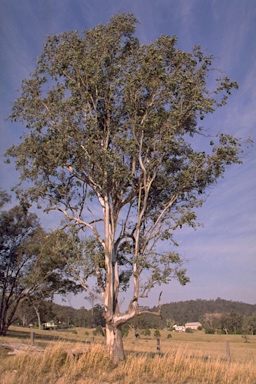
point(195, 323)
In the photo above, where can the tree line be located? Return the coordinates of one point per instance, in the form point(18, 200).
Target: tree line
point(195, 310)
point(216, 316)
point(62, 316)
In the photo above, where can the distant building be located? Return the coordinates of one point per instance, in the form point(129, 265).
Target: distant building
point(49, 325)
point(193, 325)
point(179, 328)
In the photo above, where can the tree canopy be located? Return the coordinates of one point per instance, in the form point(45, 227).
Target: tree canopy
point(114, 143)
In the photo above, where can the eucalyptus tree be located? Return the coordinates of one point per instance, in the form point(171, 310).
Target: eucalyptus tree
point(115, 143)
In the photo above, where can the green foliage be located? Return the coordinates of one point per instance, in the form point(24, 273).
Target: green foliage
point(19, 248)
point(209, 331)
point(125, 330)
point(169, 336)
point(157, 333)
point(30, 270)
point(195, 310)
point(83, 317)
point(231, 322)
point(98, 331)
point(249, 324)
point(147, 332)
point(98, 316)
point(4, 198)
point(189, 330)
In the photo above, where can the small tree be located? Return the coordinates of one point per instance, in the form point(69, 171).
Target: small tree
point(157, 334)
point(99, 331)
point(147, 332)
point(25, 314)
point(211, 322)
point(115, 144)
point(231, 322)
point(29, 269)
point(249, 324)
point(18, 230)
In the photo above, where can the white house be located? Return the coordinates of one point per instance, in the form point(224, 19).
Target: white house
point(179, 328)
point(49, 325)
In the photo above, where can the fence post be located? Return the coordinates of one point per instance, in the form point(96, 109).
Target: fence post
point(158, 346)
point(228, 352)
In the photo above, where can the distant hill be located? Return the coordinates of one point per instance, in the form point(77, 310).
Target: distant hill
point(194, 310)
point(180, 312)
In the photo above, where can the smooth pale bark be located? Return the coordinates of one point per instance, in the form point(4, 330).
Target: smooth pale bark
point(114, 343)
point(114, 340)
point(38, 316)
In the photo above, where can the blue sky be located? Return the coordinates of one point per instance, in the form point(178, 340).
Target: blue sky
point(222, 253)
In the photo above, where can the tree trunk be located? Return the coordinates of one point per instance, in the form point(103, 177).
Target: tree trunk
point(3, 327)
point(114, 343)
point(38, 316)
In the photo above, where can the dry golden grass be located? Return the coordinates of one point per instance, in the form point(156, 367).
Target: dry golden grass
point(185, 358)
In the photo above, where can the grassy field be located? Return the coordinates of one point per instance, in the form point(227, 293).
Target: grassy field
point(184, 358)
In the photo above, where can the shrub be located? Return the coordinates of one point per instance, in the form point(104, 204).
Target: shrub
point(157, 333)
point(246, 338)
point(98, 331)
point(147, 332)
point(125, 330)
point(209, 331)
